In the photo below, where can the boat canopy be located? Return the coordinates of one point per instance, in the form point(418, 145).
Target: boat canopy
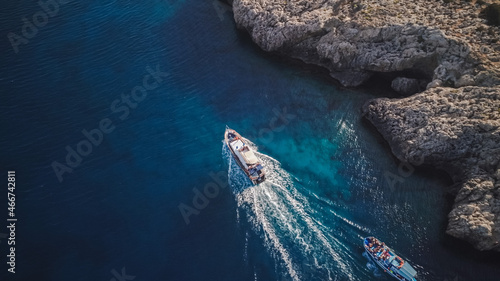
point(249, 157)
point(408, 271)
point(243, 152)
point(237, 145)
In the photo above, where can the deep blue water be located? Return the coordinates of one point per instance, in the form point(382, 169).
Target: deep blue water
point(119, 208)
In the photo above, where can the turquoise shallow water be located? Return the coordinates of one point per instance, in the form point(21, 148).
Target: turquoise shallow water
point(119, 209)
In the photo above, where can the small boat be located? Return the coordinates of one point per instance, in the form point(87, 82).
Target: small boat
point(388, 260)
point(244, 156)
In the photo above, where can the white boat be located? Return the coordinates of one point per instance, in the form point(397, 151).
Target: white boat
point(244, 156)
point(385, 257)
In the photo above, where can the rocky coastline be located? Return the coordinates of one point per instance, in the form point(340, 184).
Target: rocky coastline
point(440, 55)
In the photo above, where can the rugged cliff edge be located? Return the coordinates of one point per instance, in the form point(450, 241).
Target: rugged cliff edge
point(423, 40)
point(441, 46)
point(457, 130)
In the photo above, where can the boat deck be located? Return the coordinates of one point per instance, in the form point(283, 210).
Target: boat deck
point(244, 156)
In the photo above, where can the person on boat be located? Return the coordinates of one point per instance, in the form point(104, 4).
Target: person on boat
point(377, 243)
point(232, 136)
point(382, 253)
point(370, 246)
point(385, 256)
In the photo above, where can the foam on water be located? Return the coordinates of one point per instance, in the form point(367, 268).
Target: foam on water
point(372, 266)
point(280, 214)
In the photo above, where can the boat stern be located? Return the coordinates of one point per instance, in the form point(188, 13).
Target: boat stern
point(260, 180)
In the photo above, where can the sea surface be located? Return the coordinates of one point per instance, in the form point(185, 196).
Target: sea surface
point(154, 195)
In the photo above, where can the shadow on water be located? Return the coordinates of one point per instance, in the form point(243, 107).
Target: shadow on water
point(319, 72)
point(466, 251)
point(379, 84)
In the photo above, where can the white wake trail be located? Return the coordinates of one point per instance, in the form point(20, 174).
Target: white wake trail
point(281, 215)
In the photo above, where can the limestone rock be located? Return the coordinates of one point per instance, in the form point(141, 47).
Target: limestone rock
point(441, 42)
point(457, 130)
point(406, 86)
